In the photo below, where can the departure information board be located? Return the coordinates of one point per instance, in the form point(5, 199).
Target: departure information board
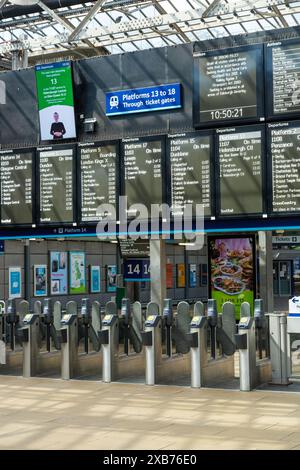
point(16, 175)
point(240, 160)
point(283, 91)
point(131, 248)
point(98, 175)
point(143, 171)
point(229, 85)
point(190, 166)
point(284, 146)
point(56, 184)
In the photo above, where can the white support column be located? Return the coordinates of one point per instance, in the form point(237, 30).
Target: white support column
point(158, 272)
point(266, 270)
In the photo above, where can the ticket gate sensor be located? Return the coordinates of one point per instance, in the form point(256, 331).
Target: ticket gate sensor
point(212, 315)
point(198, 328)
point(30, 332)
point(245, 342)
point(109, 337)
point(151, 338)
point(69, 341)
point(167, 324)
point(48, 317)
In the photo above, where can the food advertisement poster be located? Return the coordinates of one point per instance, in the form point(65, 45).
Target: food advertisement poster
point(77, 272)
point(40, 280)
point(58, 273)
point(232, 271)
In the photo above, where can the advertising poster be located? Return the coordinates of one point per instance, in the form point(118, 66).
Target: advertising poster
point(77, 272)
point(232, 271)
point(14, 283)
point(58, 273)
point(95, 279)
point(55, 101)
point(111, 275)
point(193, 275)
point(169, 276)
point(40, 280)
point(180, 275)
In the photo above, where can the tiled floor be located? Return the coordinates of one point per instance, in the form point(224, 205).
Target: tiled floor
point(44, 413)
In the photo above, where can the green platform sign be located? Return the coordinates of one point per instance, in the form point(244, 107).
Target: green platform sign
point(55, 101)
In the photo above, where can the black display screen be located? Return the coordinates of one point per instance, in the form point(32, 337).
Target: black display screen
point(283, 78)
point(190, 167)
point(98, 178)
point(284, 146)
point(56, 184)
point(131, 248)
point(143, 172)
point(229, 85)
point(16, 173)
point(240, 160)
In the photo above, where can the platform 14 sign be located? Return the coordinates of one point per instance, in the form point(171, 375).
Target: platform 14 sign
point(137, 270)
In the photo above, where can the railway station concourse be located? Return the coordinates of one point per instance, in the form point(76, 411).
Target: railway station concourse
point(149, 225)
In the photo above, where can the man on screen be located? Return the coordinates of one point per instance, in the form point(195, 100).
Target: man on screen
point(57, 128)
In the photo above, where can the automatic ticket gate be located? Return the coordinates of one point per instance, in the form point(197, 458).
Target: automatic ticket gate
point(81, 340)
point(11, 340)
point(44, 341)
point(123, 354)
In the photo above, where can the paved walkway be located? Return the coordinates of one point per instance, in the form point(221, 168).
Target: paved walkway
point(53, 414)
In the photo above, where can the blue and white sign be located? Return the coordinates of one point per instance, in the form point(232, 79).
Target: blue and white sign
point(143, 100)
point(137, 270)
point(14, 283)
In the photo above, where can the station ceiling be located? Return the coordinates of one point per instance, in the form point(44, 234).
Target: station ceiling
point(52, 29)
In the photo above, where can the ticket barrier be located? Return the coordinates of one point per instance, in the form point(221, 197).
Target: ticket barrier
point(212, 344)
point(45, 342)
point(11, 357)
point(167, 343)
point(123, 354)
point(81, 354)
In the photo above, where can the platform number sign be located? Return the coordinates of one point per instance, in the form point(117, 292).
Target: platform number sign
point(137, 270)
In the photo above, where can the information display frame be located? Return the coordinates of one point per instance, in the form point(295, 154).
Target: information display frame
point(160, 138)
point(118, 185)
point(241, 129)
point(269, 83)
point(49, 148)
point(270, 177)
point(200, 133)
point(257, 49)
point(22, 150)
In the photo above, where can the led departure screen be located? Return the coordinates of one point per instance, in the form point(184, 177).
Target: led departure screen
point(285, 153)
point(283, 64)
point(98, 179)
point(56, 184)
point(240, 171)
point(16, 171)
point(143, 172)
point(190, 172)
point(131, 248)
point(228, 85)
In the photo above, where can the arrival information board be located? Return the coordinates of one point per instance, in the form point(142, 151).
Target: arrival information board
point(228, 85)
point(240, 158)
point(98, 173)
point(190, 172)
point(56, 184)
point(283, 63)
point(285, 154)
point(16, 172)
point(143, 171)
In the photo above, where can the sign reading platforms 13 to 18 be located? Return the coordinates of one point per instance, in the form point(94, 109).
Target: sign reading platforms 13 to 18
point(55, 101)
point(142, 100)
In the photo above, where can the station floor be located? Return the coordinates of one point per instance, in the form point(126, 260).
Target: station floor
point(42, 413)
